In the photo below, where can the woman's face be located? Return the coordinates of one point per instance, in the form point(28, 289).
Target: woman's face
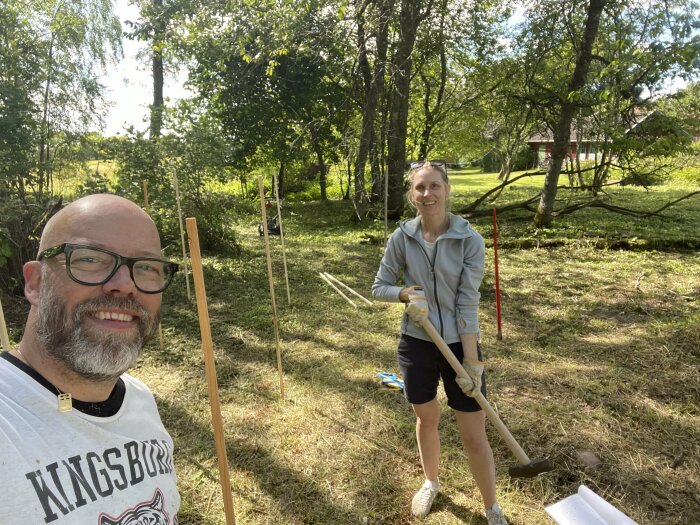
point(429, 191)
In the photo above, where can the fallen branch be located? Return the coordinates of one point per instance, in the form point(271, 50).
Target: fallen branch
point(469, 207)
point(619, 209)
point(486, 212)
point(593, 203)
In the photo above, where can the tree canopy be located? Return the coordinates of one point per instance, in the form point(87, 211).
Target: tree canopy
point(298, 86)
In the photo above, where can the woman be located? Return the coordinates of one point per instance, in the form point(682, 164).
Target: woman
point(442, 254)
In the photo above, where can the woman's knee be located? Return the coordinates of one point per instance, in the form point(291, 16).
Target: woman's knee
point(476, 443)
point(427, 415)
point(472, 430)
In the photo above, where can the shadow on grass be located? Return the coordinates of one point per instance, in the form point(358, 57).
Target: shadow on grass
point(292, 491)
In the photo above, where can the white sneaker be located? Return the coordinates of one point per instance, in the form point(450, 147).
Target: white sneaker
point(495, 516)
point(423, 500)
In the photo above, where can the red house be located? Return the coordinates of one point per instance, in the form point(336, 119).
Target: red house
point(651, 126)
point(541, 143)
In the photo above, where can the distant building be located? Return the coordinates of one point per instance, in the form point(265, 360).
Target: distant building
point(588, 146)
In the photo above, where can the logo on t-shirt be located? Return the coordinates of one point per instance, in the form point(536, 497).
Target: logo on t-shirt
point(66, 485)
point(151, 512)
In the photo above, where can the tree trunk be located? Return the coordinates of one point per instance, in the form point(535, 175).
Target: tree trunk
point(374, 87)
point(427, 119)
point(368, 113)
point(398, 114)
point(601, 171)
point(433, 114)
point(346, 193)
point(280, 180)
point(562, 131)
point(321, 165)
point(157, 107)
point(506, 168)
point(43, 167)
point(377, 179)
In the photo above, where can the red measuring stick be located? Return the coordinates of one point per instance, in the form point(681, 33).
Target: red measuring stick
point(499, 335)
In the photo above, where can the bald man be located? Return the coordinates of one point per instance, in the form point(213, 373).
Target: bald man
point(81, 441)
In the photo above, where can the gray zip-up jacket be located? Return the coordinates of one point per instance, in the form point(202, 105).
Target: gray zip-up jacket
point(450, 282)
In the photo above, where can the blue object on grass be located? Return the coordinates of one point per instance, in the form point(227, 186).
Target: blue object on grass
point(390, 380)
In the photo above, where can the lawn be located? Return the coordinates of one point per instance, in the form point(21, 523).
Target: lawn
point(599, 358)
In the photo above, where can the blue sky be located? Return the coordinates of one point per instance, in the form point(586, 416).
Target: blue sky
point(129, 85)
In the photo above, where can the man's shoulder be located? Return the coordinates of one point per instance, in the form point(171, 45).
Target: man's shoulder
point(135, 384)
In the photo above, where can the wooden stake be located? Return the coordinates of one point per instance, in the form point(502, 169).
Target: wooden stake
point(261, 187)
point(4, 338)
point(329, 283)
point(145, 195)
point(182, 234)
point(347, 287)
point(146, 208)
point(275, 181)
point(210, 368)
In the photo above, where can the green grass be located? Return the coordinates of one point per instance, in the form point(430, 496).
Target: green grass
point(673, 228)
point(599, 354)
point(69, 179)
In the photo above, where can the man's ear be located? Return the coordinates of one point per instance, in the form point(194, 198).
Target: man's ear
point(32, 281)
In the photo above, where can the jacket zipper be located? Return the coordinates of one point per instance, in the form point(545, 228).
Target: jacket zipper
point(432, 271)
point(437, 301)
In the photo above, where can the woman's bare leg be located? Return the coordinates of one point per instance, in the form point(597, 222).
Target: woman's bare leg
point(472, 431)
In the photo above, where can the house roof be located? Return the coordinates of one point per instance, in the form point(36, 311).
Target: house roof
point(653, 123)
point(546, 135)
point(658, 124)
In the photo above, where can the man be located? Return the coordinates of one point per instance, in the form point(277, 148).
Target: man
point(81, 441)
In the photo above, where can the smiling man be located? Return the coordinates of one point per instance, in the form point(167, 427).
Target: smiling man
point(81, 441)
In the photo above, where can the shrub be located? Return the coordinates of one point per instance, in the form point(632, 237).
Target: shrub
point(141, 160)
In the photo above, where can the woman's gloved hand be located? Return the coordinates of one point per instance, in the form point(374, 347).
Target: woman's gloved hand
point(471, 385)
point(417, 308)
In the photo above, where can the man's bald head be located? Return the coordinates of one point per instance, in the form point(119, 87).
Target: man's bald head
point(93, 331)
point(99, 218)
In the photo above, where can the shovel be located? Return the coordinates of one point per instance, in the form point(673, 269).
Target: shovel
point(526, 467)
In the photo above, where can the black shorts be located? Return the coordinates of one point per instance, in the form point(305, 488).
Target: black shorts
point(422, 365)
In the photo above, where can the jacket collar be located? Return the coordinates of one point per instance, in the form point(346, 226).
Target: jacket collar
point(459, 228)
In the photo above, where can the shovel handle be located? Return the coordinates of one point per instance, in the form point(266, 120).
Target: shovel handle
point(513, 445)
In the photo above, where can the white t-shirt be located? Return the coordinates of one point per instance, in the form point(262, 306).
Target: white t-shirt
point(430, 250)
point(71, 468)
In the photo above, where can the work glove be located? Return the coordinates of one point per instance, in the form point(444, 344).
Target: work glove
point(417, 308)
point(471, 385)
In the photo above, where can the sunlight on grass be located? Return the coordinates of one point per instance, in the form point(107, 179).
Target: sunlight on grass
point(599, 354)
point(583, 328)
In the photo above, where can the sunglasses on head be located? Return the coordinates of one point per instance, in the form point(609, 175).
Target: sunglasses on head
point(440, 164)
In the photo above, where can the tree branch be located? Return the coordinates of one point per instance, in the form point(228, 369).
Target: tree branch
point(470, 207)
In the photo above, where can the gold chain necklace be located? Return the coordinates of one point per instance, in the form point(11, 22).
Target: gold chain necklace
point(65, 400)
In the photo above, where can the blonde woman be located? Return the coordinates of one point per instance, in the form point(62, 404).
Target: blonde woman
point(440, 253)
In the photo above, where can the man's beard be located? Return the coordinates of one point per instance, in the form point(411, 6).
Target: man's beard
point(92, 354)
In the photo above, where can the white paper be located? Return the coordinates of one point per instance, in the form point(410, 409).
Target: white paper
point(586, 508)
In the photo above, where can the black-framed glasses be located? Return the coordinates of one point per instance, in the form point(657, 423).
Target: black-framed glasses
point(440, 164)
point(93, 266)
